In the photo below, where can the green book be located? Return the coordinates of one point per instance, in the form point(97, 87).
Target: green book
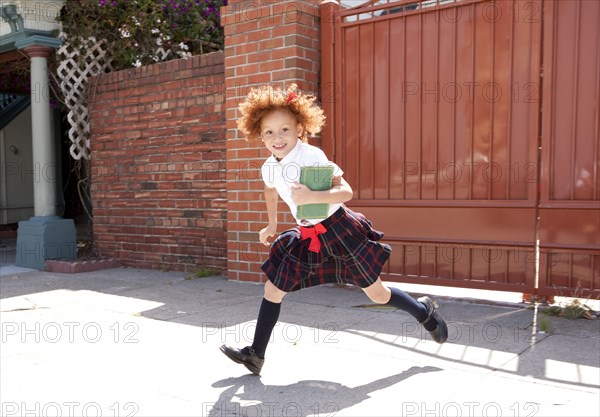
point(317, 178)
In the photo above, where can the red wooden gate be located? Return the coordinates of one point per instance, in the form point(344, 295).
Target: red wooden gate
point(434, 113)
point(570, 177)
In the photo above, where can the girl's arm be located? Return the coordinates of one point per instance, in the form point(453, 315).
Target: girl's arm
point(271, 198)
point(339, 193)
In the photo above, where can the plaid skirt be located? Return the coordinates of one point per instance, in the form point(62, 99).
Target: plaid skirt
point(350, 254)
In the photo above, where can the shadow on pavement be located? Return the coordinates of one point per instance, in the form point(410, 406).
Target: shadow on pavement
point(248, 396)
point(487, 337)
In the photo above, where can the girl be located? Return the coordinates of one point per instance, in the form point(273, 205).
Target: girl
point(341, 248)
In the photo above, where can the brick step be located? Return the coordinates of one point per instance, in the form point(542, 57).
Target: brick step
point(74, 267)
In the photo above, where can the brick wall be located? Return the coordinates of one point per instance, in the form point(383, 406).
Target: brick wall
point(274, 42)
point(158, 164)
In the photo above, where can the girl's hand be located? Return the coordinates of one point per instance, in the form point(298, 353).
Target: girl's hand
point(266, 233)
point(301, 194)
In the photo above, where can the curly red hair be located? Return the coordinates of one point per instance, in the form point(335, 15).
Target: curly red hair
point(265, 99)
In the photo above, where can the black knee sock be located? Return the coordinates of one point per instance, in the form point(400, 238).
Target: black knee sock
point(405, 302)
point(267, 319)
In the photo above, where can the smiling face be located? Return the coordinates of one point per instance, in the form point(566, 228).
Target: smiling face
point(279, 132)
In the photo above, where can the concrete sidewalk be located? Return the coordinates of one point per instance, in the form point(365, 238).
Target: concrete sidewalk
point(127, 342)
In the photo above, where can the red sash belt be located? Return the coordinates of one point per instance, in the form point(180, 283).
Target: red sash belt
point(313, 233)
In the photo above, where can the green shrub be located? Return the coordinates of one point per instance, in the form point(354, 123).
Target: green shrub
point(137, 29)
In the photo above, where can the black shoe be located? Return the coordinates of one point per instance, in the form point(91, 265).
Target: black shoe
point(440, 333)
point(249, 360)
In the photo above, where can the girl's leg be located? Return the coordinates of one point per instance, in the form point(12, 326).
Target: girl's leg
point(380, 294)
point(267, 318)
point(423, 309)
point(253, 357)
point(272, 293)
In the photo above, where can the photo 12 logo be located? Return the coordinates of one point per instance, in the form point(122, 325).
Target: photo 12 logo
point(70, 332)
point(269, 409)
point(289, 332)
point(469, 409)
point(68, 409)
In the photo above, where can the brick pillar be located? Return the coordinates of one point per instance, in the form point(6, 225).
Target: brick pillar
point(266, 42)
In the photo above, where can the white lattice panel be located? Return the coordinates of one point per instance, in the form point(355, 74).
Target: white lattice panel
point(74, 71)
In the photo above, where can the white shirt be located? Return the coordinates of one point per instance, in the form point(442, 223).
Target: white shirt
point(281, 175)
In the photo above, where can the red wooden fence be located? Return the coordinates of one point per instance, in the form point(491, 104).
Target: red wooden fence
point(442, 113)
